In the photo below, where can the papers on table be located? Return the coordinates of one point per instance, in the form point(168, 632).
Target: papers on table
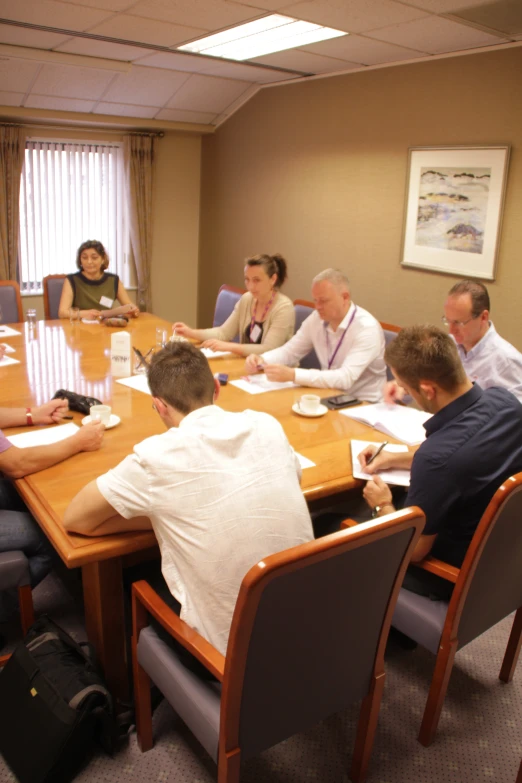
point(397, 476)
point(210, 354)
point(304, 461)
point(8, 348)
point(6, 331)
point(7, 360)
point(396, 420)
point(43, 437)
point(138, 382)
point(90, 321)
point(257, 384)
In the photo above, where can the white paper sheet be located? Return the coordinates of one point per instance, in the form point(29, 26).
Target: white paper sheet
point(304, 461)
point(7, 360)
point(51, 434)
point(138, 382)
point(402, 423)
point(397, 476)
point(210, 354)
point(6, 331)
point(90, 321)
point(257, 384)
point(8, 348)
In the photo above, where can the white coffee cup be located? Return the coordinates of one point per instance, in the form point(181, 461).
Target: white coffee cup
point(100, 413)
point(309, 403)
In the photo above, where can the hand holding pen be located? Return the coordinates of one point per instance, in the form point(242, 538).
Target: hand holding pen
point(368, 456)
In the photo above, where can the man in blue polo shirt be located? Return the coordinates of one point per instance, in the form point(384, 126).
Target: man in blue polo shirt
point(473, 443)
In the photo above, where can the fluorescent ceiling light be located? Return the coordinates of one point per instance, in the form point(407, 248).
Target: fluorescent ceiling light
point(262, 36)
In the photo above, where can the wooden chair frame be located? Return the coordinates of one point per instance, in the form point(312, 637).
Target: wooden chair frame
point(230, 670)
point(449, 640)
point(25, 599)
point(390, 327)
point(47, 312)
point(304, 303)
point(14, 284)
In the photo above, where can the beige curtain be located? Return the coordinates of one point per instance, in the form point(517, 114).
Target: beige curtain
point(138, 153)
point(12, 151)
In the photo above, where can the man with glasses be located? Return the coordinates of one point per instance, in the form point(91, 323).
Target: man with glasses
point(487, 358)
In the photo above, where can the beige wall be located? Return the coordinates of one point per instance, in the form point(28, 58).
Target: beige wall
point(175, 231)
point(317, 171)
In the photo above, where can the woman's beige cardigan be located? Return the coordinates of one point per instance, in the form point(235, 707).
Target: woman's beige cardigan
point(278, 326)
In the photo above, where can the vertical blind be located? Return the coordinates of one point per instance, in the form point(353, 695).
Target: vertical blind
point(70, 193)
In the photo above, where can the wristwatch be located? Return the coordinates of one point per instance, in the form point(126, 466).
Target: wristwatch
point(376, 510)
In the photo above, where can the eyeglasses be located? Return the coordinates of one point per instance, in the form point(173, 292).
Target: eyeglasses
point(447, 322)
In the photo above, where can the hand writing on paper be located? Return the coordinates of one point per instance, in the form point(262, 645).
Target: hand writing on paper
point(377, 493)
point(386, 460)
point(279, 373)
point(393, 392)
point(254, 363)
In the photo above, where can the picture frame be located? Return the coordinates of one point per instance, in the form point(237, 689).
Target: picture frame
point(453, 209)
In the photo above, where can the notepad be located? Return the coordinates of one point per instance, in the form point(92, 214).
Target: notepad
point(402, 423)
point(138, 382)
point(398, 476)
point(258, 384)
point(43, 437)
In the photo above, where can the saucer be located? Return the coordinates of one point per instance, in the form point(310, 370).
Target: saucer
point(113, 421)
point(320, 412)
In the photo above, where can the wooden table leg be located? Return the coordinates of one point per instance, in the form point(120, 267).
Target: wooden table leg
point(105, 621)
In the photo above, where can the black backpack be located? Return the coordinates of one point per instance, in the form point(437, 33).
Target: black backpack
point(54, 705)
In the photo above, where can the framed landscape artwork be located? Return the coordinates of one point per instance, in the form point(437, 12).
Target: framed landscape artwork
point(454, 201)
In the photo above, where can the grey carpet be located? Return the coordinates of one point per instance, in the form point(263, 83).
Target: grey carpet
point(479, 738)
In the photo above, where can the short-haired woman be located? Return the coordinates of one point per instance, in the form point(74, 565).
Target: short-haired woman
point(92, 289)
point(264, 318)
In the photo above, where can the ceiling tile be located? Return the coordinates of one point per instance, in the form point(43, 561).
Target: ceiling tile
point(208, 14)
point(358, 49)
point(110, 51)
point(266, 5)
point(205, 93)
point(11, 98)
point(213, 67)
point(136, 28)
point(249, 93)
point(52, 13)
point(353, 17)
point(307, 62)
point(72, 82)
point(435, 35)
point(447, 6)
point(17, 75)
point(21, 36)
point(126, 110)
point(148, 86)
point(178, 115)
point(58, 104)
point(107, 5)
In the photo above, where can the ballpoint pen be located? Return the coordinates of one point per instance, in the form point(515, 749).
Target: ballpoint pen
point(385, 443)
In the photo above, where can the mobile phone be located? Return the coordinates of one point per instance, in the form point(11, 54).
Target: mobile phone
point(222, 378)
point(339, 401)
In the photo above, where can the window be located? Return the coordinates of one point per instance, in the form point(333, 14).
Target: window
point(70, 192)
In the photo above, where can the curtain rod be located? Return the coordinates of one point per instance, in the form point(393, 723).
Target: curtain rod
point(83, 129)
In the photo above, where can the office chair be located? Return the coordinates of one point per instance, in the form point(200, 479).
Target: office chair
point(303, 309)
point(10, 302)
point(52, 291)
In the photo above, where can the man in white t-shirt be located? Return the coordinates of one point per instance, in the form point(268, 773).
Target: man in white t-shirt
point(220, 489)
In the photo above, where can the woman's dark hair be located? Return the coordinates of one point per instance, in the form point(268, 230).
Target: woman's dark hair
point(95, 245)
point(273, 265)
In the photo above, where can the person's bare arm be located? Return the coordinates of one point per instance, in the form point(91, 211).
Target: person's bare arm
point(91, 515)
point(50, 413)
point(124, 299)
point(66, 300)
point(17, 463)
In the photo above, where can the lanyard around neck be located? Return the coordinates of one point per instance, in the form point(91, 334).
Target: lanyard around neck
point(332, 358)
point(265, 311)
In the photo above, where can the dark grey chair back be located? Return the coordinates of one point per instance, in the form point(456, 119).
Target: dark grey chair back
point(314, 637)
point(52, 285)
point(302, 311)
point(227, 298)
point(10, 302)
point(496, 587)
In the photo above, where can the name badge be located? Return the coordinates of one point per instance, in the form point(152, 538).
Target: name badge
point(106, 302)
point(254, 334)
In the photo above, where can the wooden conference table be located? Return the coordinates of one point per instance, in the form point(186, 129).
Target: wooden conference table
point(59, 355)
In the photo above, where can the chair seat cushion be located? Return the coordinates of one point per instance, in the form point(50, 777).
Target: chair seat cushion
point(196, 701)
point(420, 618)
